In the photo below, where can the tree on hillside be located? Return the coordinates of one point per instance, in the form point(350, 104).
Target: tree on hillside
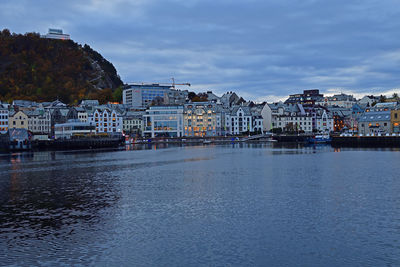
point(40, 69)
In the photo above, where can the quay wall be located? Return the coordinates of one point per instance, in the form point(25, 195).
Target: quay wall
point(366, 141)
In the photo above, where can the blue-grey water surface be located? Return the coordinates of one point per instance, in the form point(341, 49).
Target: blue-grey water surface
point(230, 205)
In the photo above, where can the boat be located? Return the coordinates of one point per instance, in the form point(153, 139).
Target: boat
point(207, 142)
point(320, 139)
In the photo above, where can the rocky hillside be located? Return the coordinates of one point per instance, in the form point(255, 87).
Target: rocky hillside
point(39, 69)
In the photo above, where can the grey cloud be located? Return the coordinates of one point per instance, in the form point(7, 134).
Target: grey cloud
point(259, 48)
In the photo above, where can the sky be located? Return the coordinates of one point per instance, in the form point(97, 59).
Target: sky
point(263, 50)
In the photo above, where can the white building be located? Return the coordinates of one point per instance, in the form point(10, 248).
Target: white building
point(239, 121)
point(140, 96)
point(164, 121)
point(294, 122)
point(258, 124)
point(324, 123)
point(56, 34)
point(39, 121)
point(82, 114)
point(71, 128)
point(132, 123)
point(106, 120)
point(287, 117)
point(3, 119)
point(341, 100)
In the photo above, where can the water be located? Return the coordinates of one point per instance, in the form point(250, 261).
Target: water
point(232, 205)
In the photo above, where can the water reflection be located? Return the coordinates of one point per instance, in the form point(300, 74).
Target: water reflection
point(234, 204)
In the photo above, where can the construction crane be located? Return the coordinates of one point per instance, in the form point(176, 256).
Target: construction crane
point(161, 84)
point(173, 83)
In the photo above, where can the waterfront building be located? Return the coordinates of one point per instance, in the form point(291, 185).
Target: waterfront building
point(132, 123)
point(56, 34)
point(239, 121)
point(18, 120)
point(267, 114)
point(324, 122)
point(72, 128)
point(39, 121)
point(163, 121)
point(140, 96)
point(202, 119)
point(308, 97)
point(377, 119)
point(287, 117)
point(340, 100)
point(3, 119)
point(294, 122)
point(81, 114)
point(341, 117)
point(59, 114)
point(106, 120)
point(395, 120)
point(258, 124)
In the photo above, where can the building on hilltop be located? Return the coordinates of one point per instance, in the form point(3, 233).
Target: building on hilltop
point(56, 34)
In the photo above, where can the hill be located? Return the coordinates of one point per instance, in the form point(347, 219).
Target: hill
point(39, 69)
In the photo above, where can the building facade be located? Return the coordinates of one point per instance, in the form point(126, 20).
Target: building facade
point(324, 123)
point(340, 100)
point(39, 121)
point(140, 96)
point(3, 119)
point(239, 121)
point(163, 121)
point(202, 119)
point(56, 34)
point(132, 123)
point(106, 120)
point(18, 120)
point(377, 119)
point(395, 120)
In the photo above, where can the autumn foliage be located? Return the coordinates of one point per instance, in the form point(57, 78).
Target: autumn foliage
point(39, 69)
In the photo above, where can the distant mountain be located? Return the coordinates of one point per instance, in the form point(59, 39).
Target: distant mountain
point(40, 69)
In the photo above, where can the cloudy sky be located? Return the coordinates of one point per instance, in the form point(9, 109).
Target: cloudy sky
point(264, 50)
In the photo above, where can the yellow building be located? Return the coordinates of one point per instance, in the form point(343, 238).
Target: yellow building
point(18, 120)
point(395, 120)
point(201, 119)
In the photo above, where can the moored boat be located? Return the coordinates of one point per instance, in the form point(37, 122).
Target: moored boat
point(320, 139)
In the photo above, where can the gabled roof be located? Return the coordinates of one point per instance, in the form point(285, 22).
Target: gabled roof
point(375, 116)
point(246, 110)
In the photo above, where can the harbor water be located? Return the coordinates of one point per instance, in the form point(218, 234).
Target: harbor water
point(211, 205)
